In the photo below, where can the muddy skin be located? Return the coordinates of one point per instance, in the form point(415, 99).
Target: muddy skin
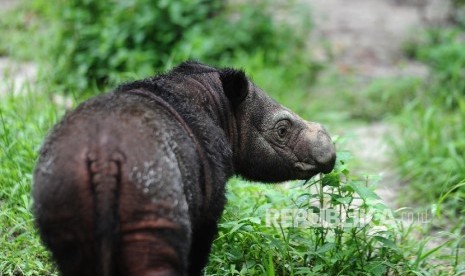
point(133, 182)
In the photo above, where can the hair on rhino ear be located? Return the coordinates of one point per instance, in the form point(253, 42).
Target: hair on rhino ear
point(235, 85)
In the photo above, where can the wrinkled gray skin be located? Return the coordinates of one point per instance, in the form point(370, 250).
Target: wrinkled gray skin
point(133, 182)
point(275, 137)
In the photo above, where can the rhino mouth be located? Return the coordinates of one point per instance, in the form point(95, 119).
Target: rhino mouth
point(304, 166)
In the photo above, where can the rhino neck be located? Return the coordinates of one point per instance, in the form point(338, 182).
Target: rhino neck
point(217, 105)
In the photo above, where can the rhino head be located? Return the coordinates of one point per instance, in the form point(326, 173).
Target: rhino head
point(272, 143)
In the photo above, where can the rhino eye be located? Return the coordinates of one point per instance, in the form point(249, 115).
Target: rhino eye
point(282, 128)
point(282, 131)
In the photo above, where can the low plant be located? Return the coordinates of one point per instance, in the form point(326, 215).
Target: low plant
point(332, 225)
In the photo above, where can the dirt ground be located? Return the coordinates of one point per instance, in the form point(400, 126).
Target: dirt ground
point(365, 37)
point(15, 76)
point(7, 4)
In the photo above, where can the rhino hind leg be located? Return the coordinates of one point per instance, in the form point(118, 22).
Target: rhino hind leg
point(93, 231)
point(154, 223)
point(155, 236)
point(97, 219)
point(156, 250)
point(72, 256)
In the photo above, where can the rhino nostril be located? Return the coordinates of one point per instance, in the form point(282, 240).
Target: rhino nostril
point(326, 164)
point(314, 146)
point(325, 153)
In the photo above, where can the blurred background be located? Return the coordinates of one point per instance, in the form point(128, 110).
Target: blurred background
point(385, 77)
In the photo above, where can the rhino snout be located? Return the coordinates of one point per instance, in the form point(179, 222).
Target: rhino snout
point(315, 150)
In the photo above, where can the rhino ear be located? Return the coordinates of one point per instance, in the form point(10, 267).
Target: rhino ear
point(235, 85)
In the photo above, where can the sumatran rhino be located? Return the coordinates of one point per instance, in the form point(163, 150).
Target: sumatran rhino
point(133, 182)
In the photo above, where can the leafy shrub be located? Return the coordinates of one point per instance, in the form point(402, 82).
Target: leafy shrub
point(97, 40)
point(245, 30)
point(101, 42)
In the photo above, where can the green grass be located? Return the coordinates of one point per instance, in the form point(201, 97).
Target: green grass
point(22, 31)
point(23, 123)
point(251, 247)
point(430, 151)
point(245, 245)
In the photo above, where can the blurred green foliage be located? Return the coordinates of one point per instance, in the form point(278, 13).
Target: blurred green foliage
point(382, 98)
point(431, 148)
point(20, 34)
point(95, 41)
point(443, 50)
point(105, 42)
